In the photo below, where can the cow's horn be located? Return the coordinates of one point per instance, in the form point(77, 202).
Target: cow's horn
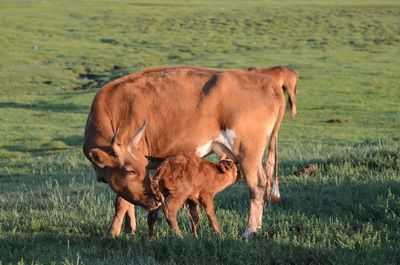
point(138, 135)
point(114, 144)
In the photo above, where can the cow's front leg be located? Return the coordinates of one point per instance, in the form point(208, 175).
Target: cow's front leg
point(122, 207)
point(130, 220)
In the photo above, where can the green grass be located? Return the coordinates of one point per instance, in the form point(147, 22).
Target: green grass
point(53, 211)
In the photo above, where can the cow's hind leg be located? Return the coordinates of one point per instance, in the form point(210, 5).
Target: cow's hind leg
point(254, 175)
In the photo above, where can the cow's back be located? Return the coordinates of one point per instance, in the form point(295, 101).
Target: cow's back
point(184, 107)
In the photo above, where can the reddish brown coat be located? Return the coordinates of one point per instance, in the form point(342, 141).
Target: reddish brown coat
point(188, 178)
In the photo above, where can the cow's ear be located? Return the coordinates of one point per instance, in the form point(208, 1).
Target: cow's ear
point(252, 69)
point(102, 159)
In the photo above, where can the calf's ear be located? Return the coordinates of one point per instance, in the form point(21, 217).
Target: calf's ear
point(225, 165)
point(102, 159)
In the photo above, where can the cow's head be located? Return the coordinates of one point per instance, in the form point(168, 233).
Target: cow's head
point(124, 168)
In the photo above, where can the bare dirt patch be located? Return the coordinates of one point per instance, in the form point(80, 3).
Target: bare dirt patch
point(309, 170)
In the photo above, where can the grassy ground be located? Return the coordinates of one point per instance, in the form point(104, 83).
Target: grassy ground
point(55, 55)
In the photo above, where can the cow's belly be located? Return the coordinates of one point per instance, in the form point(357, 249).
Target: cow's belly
point(201, 146)
point(226, 138)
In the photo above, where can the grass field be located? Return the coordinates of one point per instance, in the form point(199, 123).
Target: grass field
point(55, 55)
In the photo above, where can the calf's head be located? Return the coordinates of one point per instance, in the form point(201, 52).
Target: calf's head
point(124, 168)
point(229, 168)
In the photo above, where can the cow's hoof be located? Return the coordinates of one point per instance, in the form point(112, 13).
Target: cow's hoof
point(248, 234)
point(275, 199)
point(112, 234)
point(130, 231)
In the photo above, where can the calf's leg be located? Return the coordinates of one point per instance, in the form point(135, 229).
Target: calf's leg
point(171, 210)
point(151, 220)
point(194, 216)
point(207, 201)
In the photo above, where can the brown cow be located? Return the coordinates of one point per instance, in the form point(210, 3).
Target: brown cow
point(188, 178)
point(287, 78)
point(188, 110)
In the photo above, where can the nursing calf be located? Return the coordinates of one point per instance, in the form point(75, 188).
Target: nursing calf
point(189, 178)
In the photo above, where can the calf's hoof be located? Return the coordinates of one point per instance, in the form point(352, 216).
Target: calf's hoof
point(149, 239)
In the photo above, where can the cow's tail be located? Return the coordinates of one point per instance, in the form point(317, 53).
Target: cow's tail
point(272, 155)
point(291, 102)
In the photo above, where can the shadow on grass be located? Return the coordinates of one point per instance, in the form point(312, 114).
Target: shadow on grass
point(363, 201)
point(124, 250)
point(37, 146)
point(73, 140)
point(357, 185)
point(90, 79)
point(351, 201)
point(45, 106)
point(326, 196)
point(368, 155)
